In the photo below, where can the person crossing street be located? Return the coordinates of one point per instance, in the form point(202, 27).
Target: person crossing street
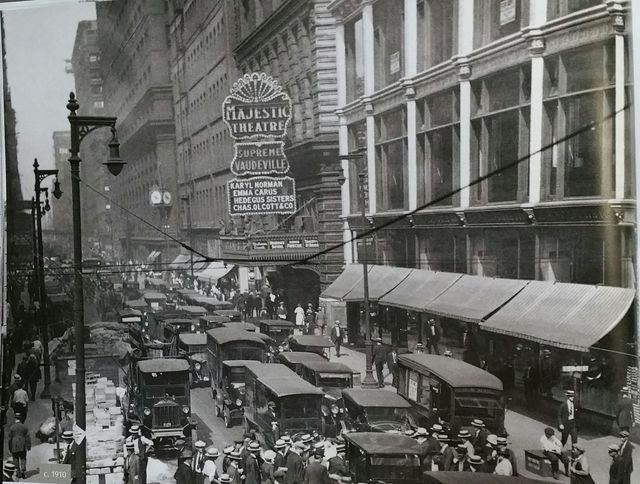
point(379, 359)
point(337, 336)
point(567, 419)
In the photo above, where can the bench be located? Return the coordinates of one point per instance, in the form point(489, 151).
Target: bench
point(537, 463)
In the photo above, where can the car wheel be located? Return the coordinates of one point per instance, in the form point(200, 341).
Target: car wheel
point(227, 420)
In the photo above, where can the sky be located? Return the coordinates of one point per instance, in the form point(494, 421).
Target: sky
point(39, 37)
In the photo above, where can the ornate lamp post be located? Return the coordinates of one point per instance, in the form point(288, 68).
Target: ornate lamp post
point(359, 157)
point(81, 126)
point(40, 176)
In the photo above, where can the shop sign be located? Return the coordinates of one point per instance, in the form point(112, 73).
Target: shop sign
point(260, 245)
point(261, 195)
point(394, 63)
point(311, 243)
point(276, 244)
point(413, 387)
point(575, 368)
point(294, 244)
point(507, 11)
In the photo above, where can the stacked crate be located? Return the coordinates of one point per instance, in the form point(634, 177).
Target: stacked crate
point(105, 457)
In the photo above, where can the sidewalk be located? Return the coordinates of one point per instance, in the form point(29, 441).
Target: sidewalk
point(524, 432)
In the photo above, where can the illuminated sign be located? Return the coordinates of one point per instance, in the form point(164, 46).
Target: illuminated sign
point(257, 113)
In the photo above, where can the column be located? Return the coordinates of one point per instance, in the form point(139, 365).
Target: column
point(465, 46)
point(371, 159)
point(616, 11)
point(538, 16)
point(410, 67)
point(368, 43)
point(341, 68)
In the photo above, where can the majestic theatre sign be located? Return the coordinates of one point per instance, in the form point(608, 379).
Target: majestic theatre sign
point(257, 113)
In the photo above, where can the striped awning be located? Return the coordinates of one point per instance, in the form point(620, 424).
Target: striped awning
point(345, 282)
point(382, 279)
point(419, 289)
point(572, 316)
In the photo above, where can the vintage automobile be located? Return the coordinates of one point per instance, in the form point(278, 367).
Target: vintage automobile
point(295, 359)
point(452, 477)
point(310, 343)
point(211, 321)
point(452, 390)
point(159, 397)
point(225, 344)
point(298, 403)
point(194, 347)
point(131, 290)
point(211, 304)
point(370, 410)
point(376, 457)
point(131, 316)
point(232, 314)
point(174, 326)
point(139, 304)
point(155, 300)
point(229, 397)
point(278, 329)
point(331, 377)
point(192, 311)
point(245, 326)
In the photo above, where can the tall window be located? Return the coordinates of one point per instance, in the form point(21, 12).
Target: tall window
point(559, 8)
point(437, 31)
point(500, 135)
point(391, 160)
point(354, 59)
point(356, 131)
point(388, 25)
point(438, 146)
point(494, 19)
point(578, 90)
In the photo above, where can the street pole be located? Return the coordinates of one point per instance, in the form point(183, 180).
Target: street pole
point(187, 201)
point(40, 175)
point(81, 126)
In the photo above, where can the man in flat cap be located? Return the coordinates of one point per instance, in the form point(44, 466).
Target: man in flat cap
point(626, 458)
point(19, 444)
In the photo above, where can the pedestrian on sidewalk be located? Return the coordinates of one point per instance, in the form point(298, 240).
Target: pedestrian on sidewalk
point(337, 335)
point(624, 415)
point(614, 467)
point(19, 445)
point(579, 466)
point(20, 402)
point(392, 364)
point(299, 313)
point(503, 444)
point(197, 463)
point(625, 453)
point(131, 465)
point(503, 467)
point(379, 358)
point(33, 374)
point(567, 419)
point(321, 320)
point(433, 337)
point(210, 469)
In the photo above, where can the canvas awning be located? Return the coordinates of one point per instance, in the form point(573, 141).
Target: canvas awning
point(382, 279)
point(474, 298)
point(346, 281)
point(153, 256)
point(214, 271)
point(183, 263)
point(419, 289)
point(572, 316)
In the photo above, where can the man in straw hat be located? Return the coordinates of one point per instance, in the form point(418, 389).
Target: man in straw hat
point(268, 469)
point(226, 460)
point(316, 472)
point(8, 471)
point(480, 433)
point(141, 446)
point(567, 419)
point(465, 438)
point(235, 469)
point(251, 465)
point(131, 465)
point(444, 459)
point(476, 464)
point(19, 444)
point(210, 470)
point(197, 462)
point(295, 464)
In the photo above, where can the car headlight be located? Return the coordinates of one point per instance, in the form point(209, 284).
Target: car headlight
point(239, 403)
point(197, 366)
point(193, 328)
point(147, 411)
point(185, 410)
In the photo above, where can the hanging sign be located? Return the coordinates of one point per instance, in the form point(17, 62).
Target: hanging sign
point(507, 11)
point(257, 113)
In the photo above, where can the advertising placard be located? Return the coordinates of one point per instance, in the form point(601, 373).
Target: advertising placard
point(260, 158)
point(261, 195)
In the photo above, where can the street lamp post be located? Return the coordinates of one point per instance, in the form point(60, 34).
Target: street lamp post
point(187, 200)
point(40, 176)
point(81, 126)
point(358, 157)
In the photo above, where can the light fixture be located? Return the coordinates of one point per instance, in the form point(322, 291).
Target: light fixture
point(57, 192)
point(114, 163)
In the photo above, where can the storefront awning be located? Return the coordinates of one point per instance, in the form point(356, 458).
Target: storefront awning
point(382, 279)
point(183, 263)
point(214, 271)
point(419, 289)
point(153, 256)
point(573, 316)
point(346, 281)
point(473, 298)
point(178, 261)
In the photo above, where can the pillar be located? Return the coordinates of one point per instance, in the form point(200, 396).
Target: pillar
point(410, 67)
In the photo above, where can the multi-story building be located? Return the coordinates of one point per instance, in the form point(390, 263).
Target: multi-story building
point(60, 224)
point(202, 73)
point(294, 42)
point(133, 40)
point(87, 72)
point(497, 147)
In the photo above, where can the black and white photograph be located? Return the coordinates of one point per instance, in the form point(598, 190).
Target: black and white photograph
point(319, 242)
